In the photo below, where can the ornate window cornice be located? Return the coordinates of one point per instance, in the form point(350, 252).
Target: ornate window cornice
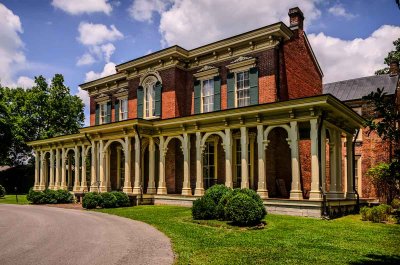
point(241, 63)
point(206, 72)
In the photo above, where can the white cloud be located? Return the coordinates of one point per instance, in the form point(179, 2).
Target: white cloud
point(86, 100)
point(25, 82)
point(107, 50)
point(346, 59)
point(85, 59)
point(96, 34)
point(108, 69)
point(339, 11)
point(194, 23)
point(142, 10)
point(76, 7)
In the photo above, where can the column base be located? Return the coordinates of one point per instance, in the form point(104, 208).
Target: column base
point(136, 190)
point(186, 192)
point(350, 195)
point(229, 184)
point(162, 191)
point(199, 192)
point(296, 195)
point(63, 187)
point(104, 189)
point(41, 187)
point(315, 196)
point(83, 189)
point(263, 194)
point(127, 190)
point(335, 195)
point(94, 189)
point(244, 185)
point(151, 190)
point(76, 189)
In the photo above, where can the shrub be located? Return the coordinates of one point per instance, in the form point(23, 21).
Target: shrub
point(108, 200)
point(395, 203)
point(2, 191)
point(34, 197)
point(49, 197)
point(204, 208)
point(242, 209)
point(365, 213)
point(220, 210)
point(64, 196)
point(122, 199)
point(91, 200)
point(216, 192)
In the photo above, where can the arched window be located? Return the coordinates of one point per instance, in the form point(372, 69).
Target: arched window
point(149, 85)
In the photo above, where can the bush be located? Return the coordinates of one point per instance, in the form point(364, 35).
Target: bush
point(49, 197)
point(395, 203)
point(122, 199)
point(242, 209)
point(216, 192)
point(108, 200)
point(2, 191)
point(34, 197)
point(204, 208)
point(220, 210)
point(376, 214)
point(365, 213)
point(64, 196)
point(91, 200)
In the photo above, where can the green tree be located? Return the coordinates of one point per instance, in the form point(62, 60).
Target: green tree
point(392, 55)
point(5, 128)
point(40, 112)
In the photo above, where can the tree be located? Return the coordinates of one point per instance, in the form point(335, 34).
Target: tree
point(392, 55)
point(40, 112)
point(5, 128)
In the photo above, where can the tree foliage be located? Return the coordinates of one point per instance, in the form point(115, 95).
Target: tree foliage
point(36, 113)
point(392, 56)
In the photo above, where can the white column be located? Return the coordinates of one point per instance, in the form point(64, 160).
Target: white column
point(57, 183)
point(70, 184)
point(51, 182)
point(332, 164)
point(63, 170)
point(108, 168)
point(244, 142)
point(228, 158)
point(93, 177)
point(77, 170)
point(37, 171)
point(315, 193)
point(151, 186)
point(186, 165)
point(42, 171)
point(84, 186)
point(118, 149)
point(136, 186)
point(162, 189)
point(199, 191)
point(262, 180)
point(339, 164)
point(350, 166)
point(102, 167)
point(295, 192)
point(128, 166)
point(323, 157)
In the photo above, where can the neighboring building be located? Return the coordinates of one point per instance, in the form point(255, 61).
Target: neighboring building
point(370, 149)
point(246, 111)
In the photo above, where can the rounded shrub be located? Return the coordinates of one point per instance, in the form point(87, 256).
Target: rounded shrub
point(365, 213)
point(2, 191)
point(108, 200)
point(216, 192)
point(221, 206)
point(64, 196)
point(49, 197)
point(204, 208)
point(35, 197)
point(395, 203)
point(242, 209)
point(91, 200)
point(122, 198)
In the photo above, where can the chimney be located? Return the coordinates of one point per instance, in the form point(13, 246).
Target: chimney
point(394, 67)
point(296, 18)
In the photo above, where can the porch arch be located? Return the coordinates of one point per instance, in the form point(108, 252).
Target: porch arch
point(109, 142)
point(221, 134)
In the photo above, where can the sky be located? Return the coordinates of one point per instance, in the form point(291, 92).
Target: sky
point(85, 39)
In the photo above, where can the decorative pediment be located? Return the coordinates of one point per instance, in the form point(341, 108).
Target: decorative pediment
point(241, 63)
point(241, 59)
point(206, 68)
point(121, 92)
point(102, 97)
point(206, 71)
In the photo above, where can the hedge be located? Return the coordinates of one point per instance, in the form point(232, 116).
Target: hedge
point(113, 199)
point(49, 196)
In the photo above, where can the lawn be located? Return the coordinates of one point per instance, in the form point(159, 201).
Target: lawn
point(10, 199)
point(285, 240)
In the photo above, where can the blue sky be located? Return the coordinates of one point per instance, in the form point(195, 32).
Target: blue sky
point(84, 39)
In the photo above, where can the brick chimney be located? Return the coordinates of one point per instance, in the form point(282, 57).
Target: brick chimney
point(296, 18)
point(394, 67)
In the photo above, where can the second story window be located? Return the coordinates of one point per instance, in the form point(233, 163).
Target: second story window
point(123, 109)
point(103, 113)
point(149, 97)
point(242, 89)
point(207, 95)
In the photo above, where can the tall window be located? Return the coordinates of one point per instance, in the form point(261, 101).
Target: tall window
point(209, 165)
point(149, 97)
point(123, 109)
point(103, 113)
point(207, 95)
point(242, 89)
point(238, 164)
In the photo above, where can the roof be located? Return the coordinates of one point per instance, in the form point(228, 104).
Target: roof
point(353, 89)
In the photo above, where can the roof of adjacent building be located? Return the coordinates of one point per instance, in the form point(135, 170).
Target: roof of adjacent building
point(353, 89)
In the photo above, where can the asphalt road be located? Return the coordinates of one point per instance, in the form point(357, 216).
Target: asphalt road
point(37, 235)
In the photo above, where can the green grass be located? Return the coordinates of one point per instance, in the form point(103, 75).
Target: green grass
point(285, 240)
point(10, 199)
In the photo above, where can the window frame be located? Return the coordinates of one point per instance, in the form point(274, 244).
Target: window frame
point(237, 161)
point(149, 106)
point(120, 112)
point(244, 89)
point(214, 141)
point(103, 104)
point(202, 96)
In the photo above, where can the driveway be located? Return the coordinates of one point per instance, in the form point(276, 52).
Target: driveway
point(48, 235)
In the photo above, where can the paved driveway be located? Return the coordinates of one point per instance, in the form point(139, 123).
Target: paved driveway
point(46, 235)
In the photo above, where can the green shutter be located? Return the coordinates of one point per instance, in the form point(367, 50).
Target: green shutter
point(140, 102)
point(253, 80)
point(157, 99)
point(97, 115)
point(197, 97)
point(116, 108)
point(217, 93)
point(230, 81)
point(108, 111)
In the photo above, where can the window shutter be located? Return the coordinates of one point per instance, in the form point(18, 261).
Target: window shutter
point(253, 80)
point(97, 115)
point(197, 96)
point(157, 99)
point(116, 108)
point(140, 102)
point(230, 81)
point(217, 93)
point(108, 111)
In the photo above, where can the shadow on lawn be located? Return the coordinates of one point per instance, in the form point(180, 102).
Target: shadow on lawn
point(374, 259)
